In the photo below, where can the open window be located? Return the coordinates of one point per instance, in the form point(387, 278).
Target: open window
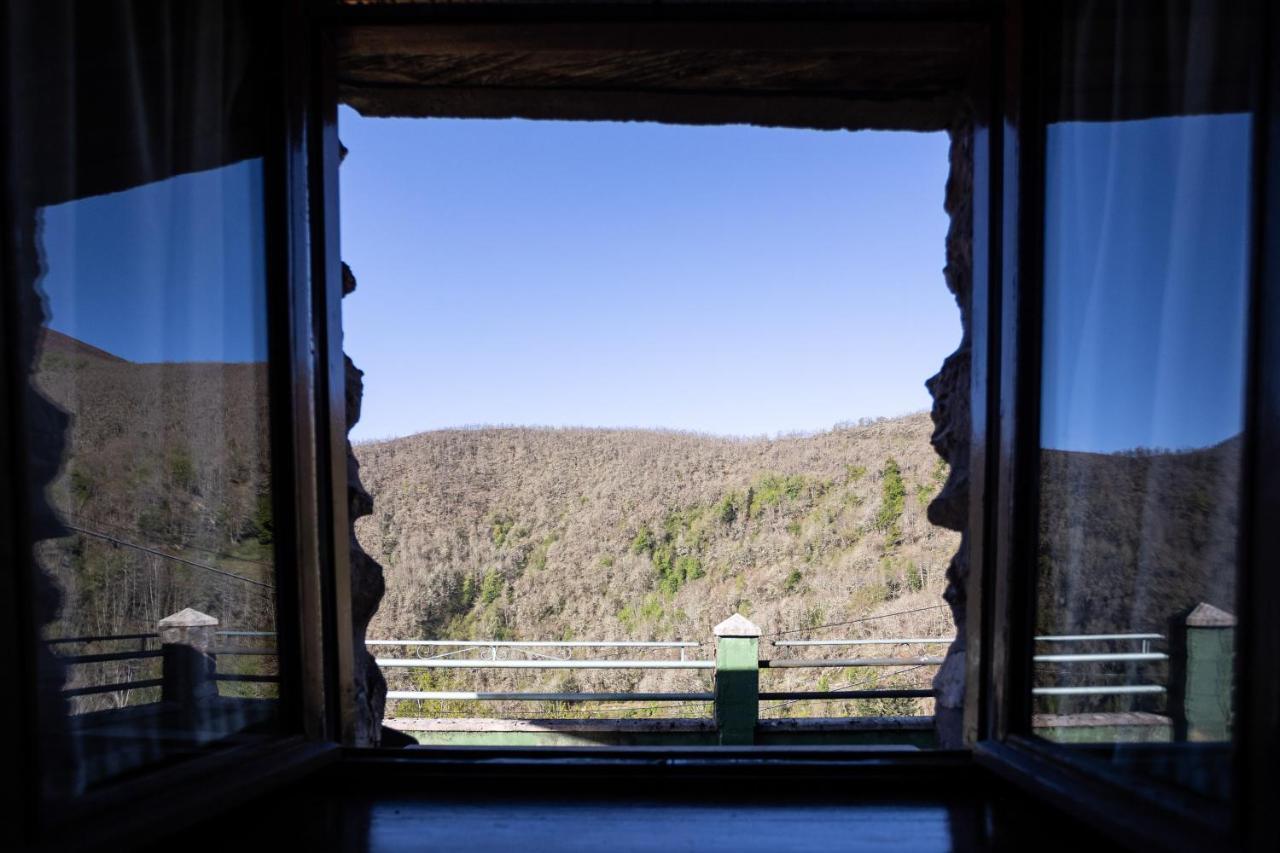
point(186, 596)
point(625, 382)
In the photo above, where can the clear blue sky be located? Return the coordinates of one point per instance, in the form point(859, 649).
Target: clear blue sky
point(168, 271)
point(732, 280)
point(1145, 282)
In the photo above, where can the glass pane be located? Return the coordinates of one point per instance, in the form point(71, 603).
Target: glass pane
point(1145, 286)
point(145, 338)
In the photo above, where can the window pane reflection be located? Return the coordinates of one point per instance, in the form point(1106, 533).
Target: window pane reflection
point(158, 354)
point(1142, 400)
point(137, 213)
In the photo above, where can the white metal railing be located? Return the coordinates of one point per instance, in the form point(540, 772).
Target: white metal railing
point(1143, 656)
point(1081, 638)
point(444, 662)
point(483, 663)
point(893, 641)
point(543, 662)
point(549, 697)
point(1097, 690)
point(540, 644)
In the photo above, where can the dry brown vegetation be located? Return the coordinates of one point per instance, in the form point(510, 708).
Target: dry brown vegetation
point(517, 533)
point(171, 457)
point(601, 534)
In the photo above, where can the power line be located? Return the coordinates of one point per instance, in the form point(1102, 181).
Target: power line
point(165, 556)
point(856, 621)
point(120, 527)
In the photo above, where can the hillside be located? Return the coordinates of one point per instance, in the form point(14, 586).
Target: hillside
point(521, 533)
point(161, 458)
point(610, 534)
point(500, 533)
point(1133, 541)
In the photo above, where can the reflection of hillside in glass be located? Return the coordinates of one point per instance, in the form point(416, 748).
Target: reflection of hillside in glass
point(172, 457)
point(157, 356)
point(1146, 249)
point(1130, 541)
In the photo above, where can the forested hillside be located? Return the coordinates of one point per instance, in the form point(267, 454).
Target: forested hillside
point(165, 489)
point(633, 534)
point(598, 534)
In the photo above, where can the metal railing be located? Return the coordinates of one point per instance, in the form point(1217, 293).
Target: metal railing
point(1144, 656)
point(535, 660)
point(837, 694)
point(541, 663)
point(143, 653)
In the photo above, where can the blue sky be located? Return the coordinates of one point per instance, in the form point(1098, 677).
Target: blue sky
point(1145, 282)
point(731, 280)
point(168, 271)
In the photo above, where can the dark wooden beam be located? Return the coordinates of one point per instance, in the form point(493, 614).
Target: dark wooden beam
point(850, 75)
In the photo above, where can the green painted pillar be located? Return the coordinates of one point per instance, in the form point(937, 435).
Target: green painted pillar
point(1207, 692)
point(737, 680)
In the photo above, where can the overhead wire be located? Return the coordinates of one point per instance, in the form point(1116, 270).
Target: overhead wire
point(116, 541)
point(856, 621)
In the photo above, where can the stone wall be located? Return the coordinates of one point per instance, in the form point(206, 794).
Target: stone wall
point(367, 585)
point(950, 390)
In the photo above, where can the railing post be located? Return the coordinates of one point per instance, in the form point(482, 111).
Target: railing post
point(1202, 691)
point(737, 680)
point(190, 670)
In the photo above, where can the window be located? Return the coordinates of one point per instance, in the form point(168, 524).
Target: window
point(139, 264)
point(623, 381)
point(1142, 400)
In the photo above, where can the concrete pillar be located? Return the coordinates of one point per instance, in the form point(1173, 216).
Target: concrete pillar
point(190, 669)
point(1204, 682)
point(737, 680)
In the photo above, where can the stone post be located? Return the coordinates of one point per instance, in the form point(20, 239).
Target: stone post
point(190, 669)
point(737, 680)
point(1202, 685)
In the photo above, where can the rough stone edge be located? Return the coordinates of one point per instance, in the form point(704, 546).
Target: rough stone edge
point(367, 582)
point(952, 427)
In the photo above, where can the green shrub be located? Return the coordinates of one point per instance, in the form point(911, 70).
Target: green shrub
point(772, 489)
point(792, 583)
point(467, 595)
point(914, 577)
point(182, 470)
point(727, 509)
point(689, 568)
point(651, 608)
point(644, 541)
point(500, 530)
point(893, 494)
point(82, 487)
point(491, 587)
point(263, 524)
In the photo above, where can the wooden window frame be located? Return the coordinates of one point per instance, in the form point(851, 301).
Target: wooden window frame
point(304, 357)
point(1140, 812)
